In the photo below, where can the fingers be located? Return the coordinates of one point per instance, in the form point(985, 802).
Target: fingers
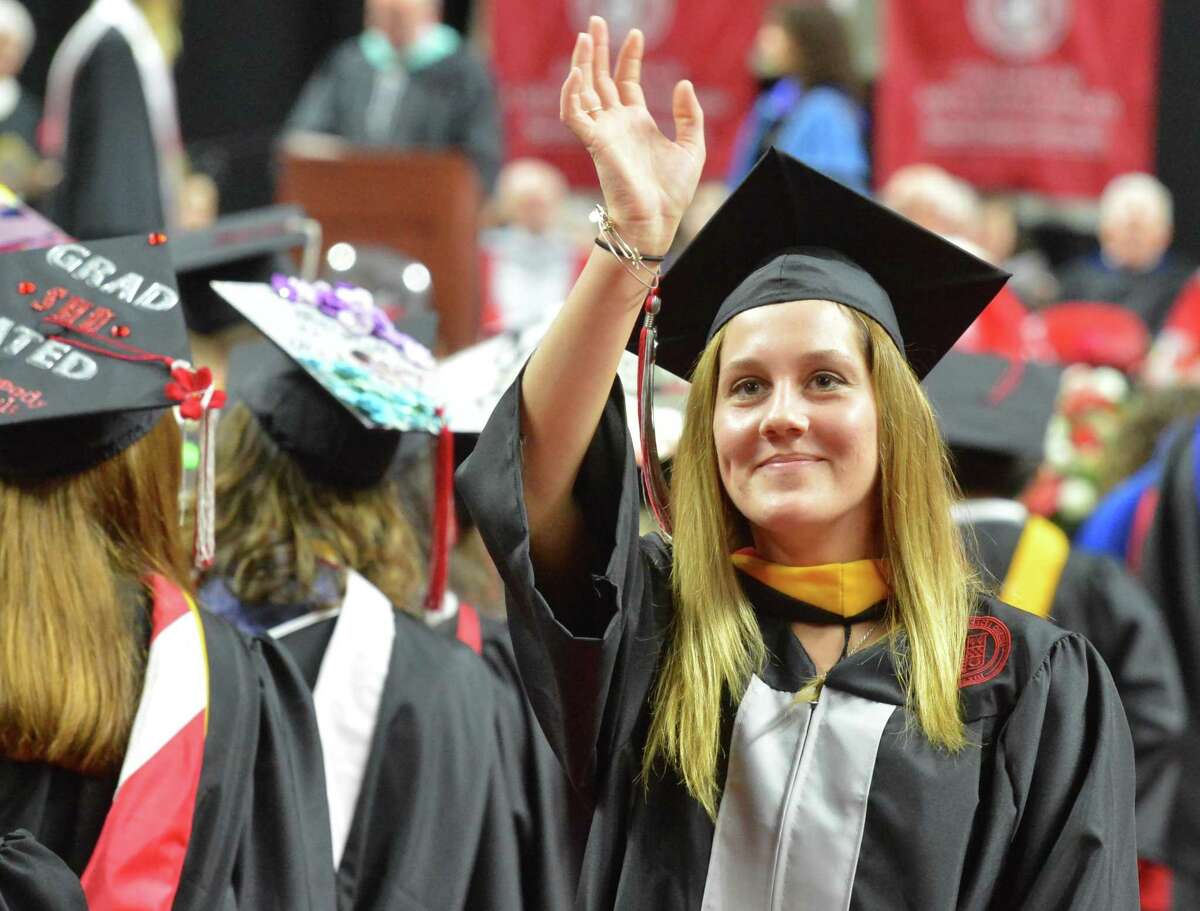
point(628, 74)
point(601, 77)
point(689, 118)
point(582, 58)
point(571, 110)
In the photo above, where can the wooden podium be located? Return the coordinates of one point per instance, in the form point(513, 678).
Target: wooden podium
point(423, 204)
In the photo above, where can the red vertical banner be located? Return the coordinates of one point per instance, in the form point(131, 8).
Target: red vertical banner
point(708, 43)
point(1055, 96)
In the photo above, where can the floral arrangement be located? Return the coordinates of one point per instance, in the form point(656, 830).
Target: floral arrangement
point(1088, 416)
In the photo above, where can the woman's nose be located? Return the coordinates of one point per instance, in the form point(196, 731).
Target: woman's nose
point(786, 414)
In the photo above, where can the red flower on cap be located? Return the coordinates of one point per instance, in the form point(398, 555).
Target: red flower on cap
point(193, 390)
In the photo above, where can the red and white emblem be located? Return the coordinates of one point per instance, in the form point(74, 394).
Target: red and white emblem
point(989, 643)
point(1020, 30)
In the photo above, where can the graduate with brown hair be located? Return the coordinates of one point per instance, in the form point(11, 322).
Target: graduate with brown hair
point(316, 549)
point(171, 762)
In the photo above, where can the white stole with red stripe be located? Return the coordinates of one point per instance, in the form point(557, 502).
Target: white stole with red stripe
point(348, 693)
point(139, 857)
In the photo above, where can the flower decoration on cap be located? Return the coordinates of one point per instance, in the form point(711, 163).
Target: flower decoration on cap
point(194, 391)
point(386, 385)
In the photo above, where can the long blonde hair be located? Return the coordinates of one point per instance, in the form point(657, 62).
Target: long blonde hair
point(72, 641)
point(276, 527)
point(715, 644)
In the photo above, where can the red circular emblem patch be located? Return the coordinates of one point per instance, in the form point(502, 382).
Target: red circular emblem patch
point(989, 643)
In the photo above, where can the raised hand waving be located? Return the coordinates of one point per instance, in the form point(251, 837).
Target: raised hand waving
point(648, 180)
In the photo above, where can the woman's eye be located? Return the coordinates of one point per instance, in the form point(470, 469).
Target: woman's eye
point(747, 388)
point(826, 381)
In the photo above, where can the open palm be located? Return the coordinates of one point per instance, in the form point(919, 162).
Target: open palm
point(648, 180)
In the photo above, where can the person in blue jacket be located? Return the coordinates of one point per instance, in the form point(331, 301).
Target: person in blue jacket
point(812, 112)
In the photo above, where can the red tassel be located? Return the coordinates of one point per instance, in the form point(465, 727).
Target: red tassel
point(654, 484)
point(443, 517)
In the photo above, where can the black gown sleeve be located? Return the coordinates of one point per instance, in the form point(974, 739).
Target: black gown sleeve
point(587, 665)
point(110, 183)
point(1128, 630)
point(1068, 759)
point(33, 878)
point(550, 818)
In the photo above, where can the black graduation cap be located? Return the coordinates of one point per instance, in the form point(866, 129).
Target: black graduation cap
point(342, 391)
point(89, 333)
point(993, 404)
point(336, 397)
point(246, 246)
point(790, 233)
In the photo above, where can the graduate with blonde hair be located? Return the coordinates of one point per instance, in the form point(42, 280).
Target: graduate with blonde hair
point(795, 694)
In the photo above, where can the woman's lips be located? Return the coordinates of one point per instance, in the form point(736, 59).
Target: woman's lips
point(789, 461)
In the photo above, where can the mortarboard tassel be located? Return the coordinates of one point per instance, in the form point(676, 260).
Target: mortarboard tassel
point(200, 400)
point(654, 483)
point(204, 546)
point(443, 516)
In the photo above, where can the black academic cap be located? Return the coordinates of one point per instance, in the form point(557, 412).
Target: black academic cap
point(993, 404)
point(88, 334)
point(337, 400)
point(245, 246)
point(790, 233)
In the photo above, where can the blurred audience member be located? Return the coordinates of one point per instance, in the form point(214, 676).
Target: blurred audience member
point(935, 199)
point(408, 81)
point(19, 113)
point(528, 265)
point(111, 120)
point(1133, 267)
point(999, 235)
point(946, 205)
point(812, 111)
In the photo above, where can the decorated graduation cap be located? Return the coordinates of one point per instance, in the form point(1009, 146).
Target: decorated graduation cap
point(21, 228)
point(340, 389)
point(245, 246)
point(790, 233)
point(994, 404)
point(92, 348)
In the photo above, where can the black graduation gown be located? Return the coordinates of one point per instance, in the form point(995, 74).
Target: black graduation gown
point(110, 185)
point(260, 834)
point(551, 818)
point(841, 804)
point(33, 878)
point(1097, 597)
point(1170, 569)
point(432, 830)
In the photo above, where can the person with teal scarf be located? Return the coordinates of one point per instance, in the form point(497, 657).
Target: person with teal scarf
point(407, 81)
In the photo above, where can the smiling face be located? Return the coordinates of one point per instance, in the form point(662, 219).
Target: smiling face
point(795, 430)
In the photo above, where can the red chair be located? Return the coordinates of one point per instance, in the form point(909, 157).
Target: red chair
point(1102, 335)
